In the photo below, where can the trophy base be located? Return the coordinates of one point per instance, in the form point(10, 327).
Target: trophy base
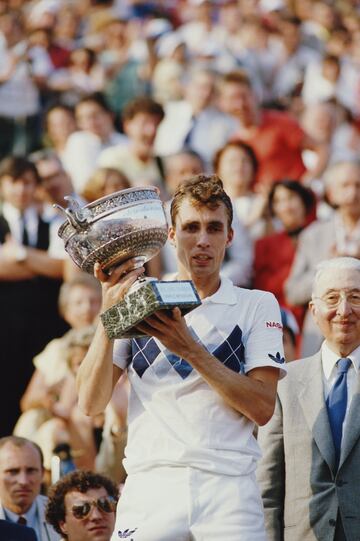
point(144, 298)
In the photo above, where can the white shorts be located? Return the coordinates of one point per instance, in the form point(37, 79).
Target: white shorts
point(185, 504)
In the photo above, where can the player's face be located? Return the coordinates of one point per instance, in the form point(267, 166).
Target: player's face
point(201, 236)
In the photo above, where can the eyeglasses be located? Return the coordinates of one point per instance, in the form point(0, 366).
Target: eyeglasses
point(106, 504)
point(333, 299)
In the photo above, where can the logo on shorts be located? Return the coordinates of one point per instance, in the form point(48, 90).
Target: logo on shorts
point(126, 533)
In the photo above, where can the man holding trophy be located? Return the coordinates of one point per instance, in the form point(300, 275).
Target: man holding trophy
point(199, 383)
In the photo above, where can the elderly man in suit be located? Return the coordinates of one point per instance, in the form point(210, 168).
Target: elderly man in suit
point(338, 236)
point(310, 470)
point(21, 475)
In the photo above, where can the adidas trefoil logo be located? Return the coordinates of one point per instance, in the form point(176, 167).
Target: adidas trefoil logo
point(126, 533)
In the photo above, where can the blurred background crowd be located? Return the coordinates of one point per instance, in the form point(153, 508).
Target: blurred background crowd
point(99, 96)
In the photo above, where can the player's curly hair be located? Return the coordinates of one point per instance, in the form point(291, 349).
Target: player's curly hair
point(202, 190)
point(81, 481)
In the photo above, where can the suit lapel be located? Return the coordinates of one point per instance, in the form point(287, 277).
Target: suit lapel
point(352, 428)
point(312, 401)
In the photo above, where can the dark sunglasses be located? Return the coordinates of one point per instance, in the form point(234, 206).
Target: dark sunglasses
point(106, 504)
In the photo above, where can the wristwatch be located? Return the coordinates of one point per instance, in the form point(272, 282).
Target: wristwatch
point(21, 254)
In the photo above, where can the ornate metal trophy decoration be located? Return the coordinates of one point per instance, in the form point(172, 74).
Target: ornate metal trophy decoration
point(126, 224)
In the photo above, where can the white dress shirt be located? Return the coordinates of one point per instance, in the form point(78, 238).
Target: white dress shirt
point(15, 222)
point(330, 373)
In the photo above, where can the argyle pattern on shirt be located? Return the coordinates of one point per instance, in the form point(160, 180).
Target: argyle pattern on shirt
point(145, 351)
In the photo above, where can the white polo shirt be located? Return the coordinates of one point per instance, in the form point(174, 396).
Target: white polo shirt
point(175, 418)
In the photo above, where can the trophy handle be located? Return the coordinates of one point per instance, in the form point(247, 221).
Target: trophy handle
point(74, 213)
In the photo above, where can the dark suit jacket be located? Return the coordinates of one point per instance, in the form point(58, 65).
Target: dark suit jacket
point(9, 531)
point(302, 491)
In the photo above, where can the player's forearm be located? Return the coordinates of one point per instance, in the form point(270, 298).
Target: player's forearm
point(95, 376)
point(250, 397)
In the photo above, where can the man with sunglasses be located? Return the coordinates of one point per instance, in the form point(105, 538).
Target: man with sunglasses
point(310, 471)
point(82, 507)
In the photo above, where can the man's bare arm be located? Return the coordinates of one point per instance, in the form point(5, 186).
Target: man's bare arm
point(253, 395)
point(97, 375)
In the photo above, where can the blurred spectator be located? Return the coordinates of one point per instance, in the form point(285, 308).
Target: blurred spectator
point(195, 122)
point(169, 72)
point(237, 165)
point(321, 80)
point(338, 236)
point(275, 136)
point(82, 77)
point(290, 334)
point(30, 278)
point(104, 181)
point(141, 119)
point(82, 507)
point(97, 132)
point(59, 123)
point(79, 303)
point(294, 206)
point(23, 70)
point(21, 475)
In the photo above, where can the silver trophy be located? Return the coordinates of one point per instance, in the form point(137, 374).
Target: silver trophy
point(126, 224)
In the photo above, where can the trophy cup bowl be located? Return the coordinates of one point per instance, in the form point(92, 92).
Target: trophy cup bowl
point(121, 226)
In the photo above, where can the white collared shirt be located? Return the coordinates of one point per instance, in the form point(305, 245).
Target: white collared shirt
point(32, 519)
point(13, 217)
point(175, 417)
point(329, 359)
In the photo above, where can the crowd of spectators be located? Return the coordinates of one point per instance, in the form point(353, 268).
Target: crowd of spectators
point(98, 96)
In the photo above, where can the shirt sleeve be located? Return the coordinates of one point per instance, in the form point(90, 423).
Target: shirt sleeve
point(122, 354)
point(264, 345)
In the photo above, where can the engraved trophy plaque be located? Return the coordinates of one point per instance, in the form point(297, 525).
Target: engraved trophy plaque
point(126, 224)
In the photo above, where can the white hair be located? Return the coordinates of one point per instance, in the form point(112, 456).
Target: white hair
point(332, 172)
point(336, 263)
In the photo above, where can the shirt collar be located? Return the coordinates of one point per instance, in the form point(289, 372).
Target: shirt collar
point(330, 358)
point(29, 515)
point(224, 295)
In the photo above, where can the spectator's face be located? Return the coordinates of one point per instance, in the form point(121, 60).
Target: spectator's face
point(289, 208)
point(54, 181)
point(19, 192)
point(238, 100)
point(341, 325)
point(179, 168)
point(141, 129)
point(97, 526)
point(60, 124)
point(21, 476)
point(236, 170)
point(200, 91)
point(200, 236)
point(90, 116)
point(345, 190)
point(83, 306)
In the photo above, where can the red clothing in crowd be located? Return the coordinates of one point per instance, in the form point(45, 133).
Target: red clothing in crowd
point(277, 142)
point(274, 255)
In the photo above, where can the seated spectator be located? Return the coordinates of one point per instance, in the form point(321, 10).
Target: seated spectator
point(293, 205)
point(96, 132)
point(82, 507)
point(275, 136)
point(141, 118)
point(79, 303)
point(237, 165)
point(338, 236)
point(21, 476)
point(104, 181)
point(195, 122)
